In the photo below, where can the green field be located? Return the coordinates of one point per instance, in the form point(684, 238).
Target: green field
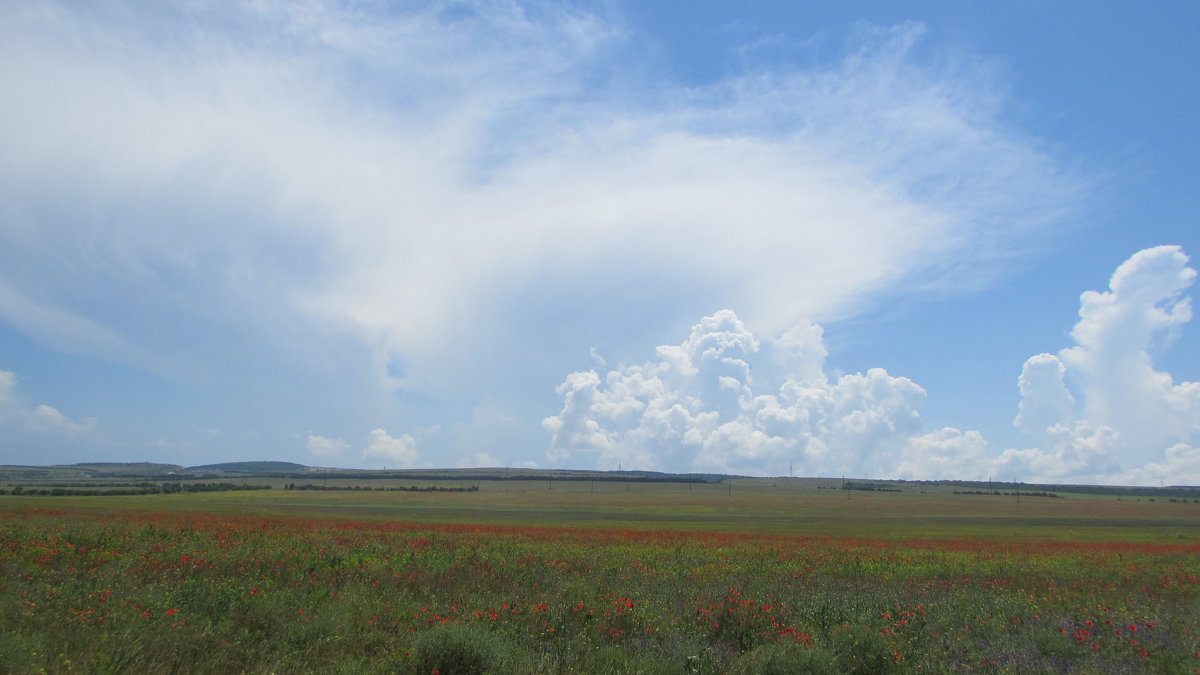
point(539, 576)
point(798, 507)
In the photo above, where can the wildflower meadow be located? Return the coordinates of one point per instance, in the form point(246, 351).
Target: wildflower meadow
point(167, 589)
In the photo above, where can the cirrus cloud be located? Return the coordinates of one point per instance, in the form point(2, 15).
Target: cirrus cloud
point(395, 175)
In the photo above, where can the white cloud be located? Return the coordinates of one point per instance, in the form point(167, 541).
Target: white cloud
point(478, 459)
point(41, 418)
point(1110, 361)
point(1077, 453)
point(1045, 400)
point(319, 446)
point(725, 401)
point(944, 454)
point(1133, 423)
point(1180, 466)
point(427, 170)
point(596, 356)
point(48, 418)
point(696, 409)
point(393, 453)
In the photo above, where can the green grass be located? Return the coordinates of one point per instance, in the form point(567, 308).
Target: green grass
point(533, 577)
point(763, 506)
point(182, 584)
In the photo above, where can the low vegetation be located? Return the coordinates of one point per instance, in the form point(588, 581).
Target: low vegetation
point(176, 587)
point(117, 489)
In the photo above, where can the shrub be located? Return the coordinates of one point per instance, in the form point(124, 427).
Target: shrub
point(861, 651)
point(460, 650)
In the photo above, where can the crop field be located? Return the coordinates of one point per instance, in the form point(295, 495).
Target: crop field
point(764, 576)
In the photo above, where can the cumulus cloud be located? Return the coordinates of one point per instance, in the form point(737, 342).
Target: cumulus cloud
point(945, 454)
point(41, 418)
point(1180, 465)
point(478, 460)
point(698, 407)
point(1100, 409)
point(393, 453)
point(1076, 452)
point(47, 418)
point(397, 173)
point(1045, 400)
point(319, 446)
point(723, 400)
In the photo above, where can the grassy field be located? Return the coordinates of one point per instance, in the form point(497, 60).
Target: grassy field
point(766, 575)
point(798, 507)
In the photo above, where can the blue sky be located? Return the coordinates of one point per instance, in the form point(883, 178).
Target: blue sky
point(914, 240)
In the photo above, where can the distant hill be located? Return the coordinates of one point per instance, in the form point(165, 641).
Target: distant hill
point(126, 468)
point(249, 467)
point(520, 474)
point(88, 470)
point(174, 473)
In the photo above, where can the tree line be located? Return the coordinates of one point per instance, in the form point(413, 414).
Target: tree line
point(110, 490)
point(366, 488)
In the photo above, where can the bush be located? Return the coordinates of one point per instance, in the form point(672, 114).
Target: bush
point(460, 650)
point(861, 651)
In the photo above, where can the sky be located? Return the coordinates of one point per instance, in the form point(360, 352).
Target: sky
point(922, 240)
